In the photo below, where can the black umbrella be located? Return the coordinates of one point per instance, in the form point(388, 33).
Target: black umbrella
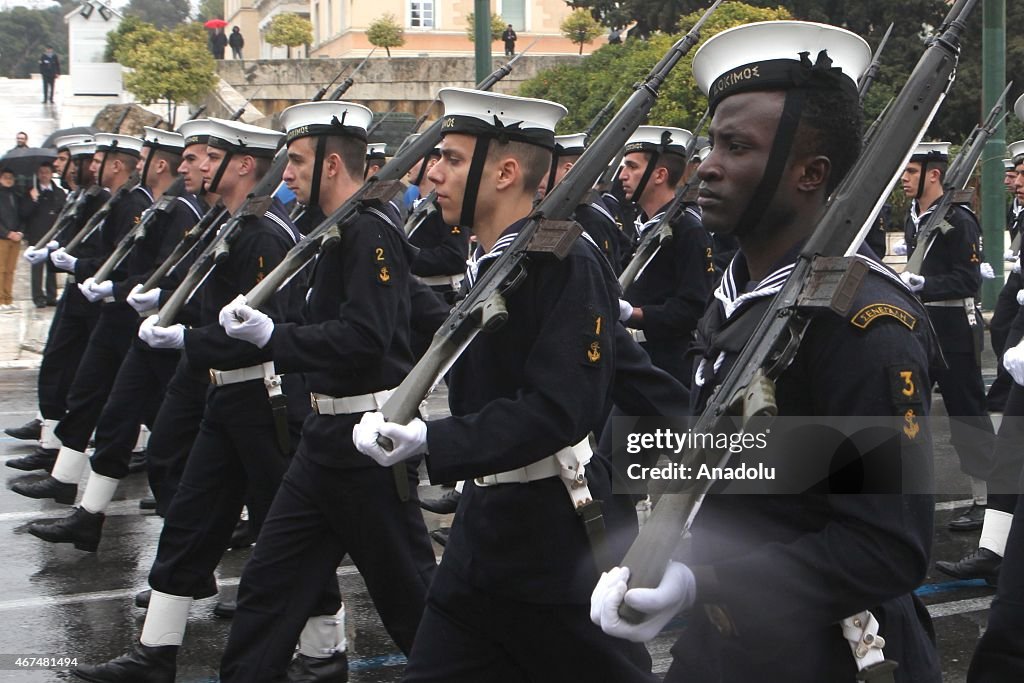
point(25, 161)
point(74, 130)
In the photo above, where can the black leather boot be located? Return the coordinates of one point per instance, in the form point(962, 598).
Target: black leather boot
point(981, 564)
point(225, 609)
point(39, 459)
point(207, 591)
point(137, 463)
point(333, 669)
point(81, 527)
point(242, 536)
point(143, 664)
point(972, 520)
point(30, 431)
point(48, 488)
point(445, 505)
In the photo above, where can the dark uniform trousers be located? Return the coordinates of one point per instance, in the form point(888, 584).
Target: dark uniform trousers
point(174, 432)
point(320, 515)
point(107, 347)
point(970, 427)
point(999, 327)
point(73, 322)
point(133, 400)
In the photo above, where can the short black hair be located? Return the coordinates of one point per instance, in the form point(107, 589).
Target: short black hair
point(533, 159)
point(831, 125)
point(46, 164)
point(352, 151)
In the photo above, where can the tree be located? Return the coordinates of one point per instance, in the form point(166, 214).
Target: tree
point(24, 33)
point(210, 9)
point(174, 66)
point(161, 13)
point(580, 27)
point(497, 27)
point(122, 41)
point(289, 30)
point(386, 32)
point(681, 103)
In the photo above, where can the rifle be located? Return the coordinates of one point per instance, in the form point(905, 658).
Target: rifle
point(323, 91)
point(67, 216)
point(374, 126)
point(547, 230)
point(347, 83)
point(96, 220)
point(955, 179)
point(592, 126)
point(120, 121)
point(662, 232)
point(868, 77)
point(378, 189)
point(748, 388)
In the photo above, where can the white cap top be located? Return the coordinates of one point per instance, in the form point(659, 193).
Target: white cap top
point(376, 150)
point(326, 118)
point(931, 150)
point(111, 142)
point(77, 149)
point(78, 138)
point(658, 139)
point(235, 136)
point(1018, 108)
point(569, 145)
point(162, 139)
point(763, 55)
point(524, 119)
point(195, 132)
point(1016, 151)
point(703, 152)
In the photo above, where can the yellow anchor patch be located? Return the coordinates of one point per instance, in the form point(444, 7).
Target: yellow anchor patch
point(910, 427)
point(384, 275)
point(594, 352)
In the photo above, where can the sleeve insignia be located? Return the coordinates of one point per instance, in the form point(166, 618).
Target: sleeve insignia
point(594, 352)
point(867, 315)
point(455, 230)
point(910, 426)
point(384, 275)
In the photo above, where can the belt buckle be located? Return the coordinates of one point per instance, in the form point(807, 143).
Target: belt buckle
point(312, 400)
point(213, 377)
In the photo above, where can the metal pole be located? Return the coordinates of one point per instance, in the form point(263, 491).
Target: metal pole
point(993, 195)
point(482, 41)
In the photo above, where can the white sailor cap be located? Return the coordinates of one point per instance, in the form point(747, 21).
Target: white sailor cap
point(931, 151)
point(570, 145)
point(376, 150)
point(1008, 165)
point(325, 118)
point(703, 152)
point(76, 139)
point(1018, 108)
point(780, 55)
point(234, 136)
point(166, 140)
point(658, 139)
point(122, 144)
point(82, 149)
point(1016, 152)
point(503, 117)
point(195, 132)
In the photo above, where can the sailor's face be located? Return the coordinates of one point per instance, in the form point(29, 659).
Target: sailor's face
point(634, 165)
point(298, 174)
point(60, 162)
point(191, 159)
point(1009, 180)
point(451, 173)
point(1018, 183)
point(911, 179)
point(742, 133)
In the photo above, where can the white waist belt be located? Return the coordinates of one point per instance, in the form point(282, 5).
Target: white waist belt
point(263, 371)
point(568, 464)
point(452, 281)
point(638, 335)
point(952, 303)
point(349, 405)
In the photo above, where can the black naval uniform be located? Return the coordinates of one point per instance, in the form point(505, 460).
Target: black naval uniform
point(73, 321)
point(1002, 316)
point(789, 568)
point(112, 335)
point(334, 501)
point(443, 249)
point(236, 457)
point(597, 220)
point(952, 275)
point(673, 289)
point(140, 384)
point(541, 383)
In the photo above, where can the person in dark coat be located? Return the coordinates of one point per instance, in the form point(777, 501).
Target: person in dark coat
point(47, 201)
point(237, 42)
point(510, 37)
point(14, 209)
point(218, 41)
point(49, 68)
point(770, 579)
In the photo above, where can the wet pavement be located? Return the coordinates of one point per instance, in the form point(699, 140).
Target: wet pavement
point(59, 602)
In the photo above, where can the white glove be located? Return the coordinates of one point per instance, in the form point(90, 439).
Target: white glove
point(1013, 361)
point(899, 249)
point(407, 440)
point(35, 256)
point(1009, 255)
point(143, 301)
point(246, 323)
point(53, 245)
point(625, 310)
point(1015, 268)
point(63, 260)
point(96, 291)
point(986, 271)
point(913, 281)
point(1020, 298)
point(676, 592)
point(157, 337)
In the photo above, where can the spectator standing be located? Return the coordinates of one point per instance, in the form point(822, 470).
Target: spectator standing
point(20, 140)
point(237, 42)
point(49, 67)
point(47, 200)
point(12, 211)
point(509, 36)
point(218, 41)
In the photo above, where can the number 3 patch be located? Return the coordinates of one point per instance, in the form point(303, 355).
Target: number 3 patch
point(905, 385)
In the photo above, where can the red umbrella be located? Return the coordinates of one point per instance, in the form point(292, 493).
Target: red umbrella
point(215, 23)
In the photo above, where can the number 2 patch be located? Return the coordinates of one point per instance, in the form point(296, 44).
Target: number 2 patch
point(381, 267)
